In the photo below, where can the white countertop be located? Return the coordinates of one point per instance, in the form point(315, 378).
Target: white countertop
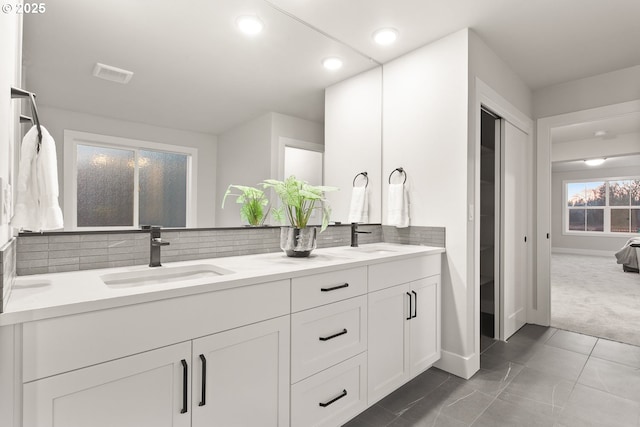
point(44, 296)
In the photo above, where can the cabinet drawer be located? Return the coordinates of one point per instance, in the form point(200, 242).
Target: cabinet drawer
point(326, 335)
point(319, 289)
point(331, 397)
point(394, 273)
point(62, 344)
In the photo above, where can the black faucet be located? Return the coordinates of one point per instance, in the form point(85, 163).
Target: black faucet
point(155, 243)
point(354, 234)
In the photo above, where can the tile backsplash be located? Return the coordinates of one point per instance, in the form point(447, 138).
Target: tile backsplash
point(59, 252)
point(7, 270)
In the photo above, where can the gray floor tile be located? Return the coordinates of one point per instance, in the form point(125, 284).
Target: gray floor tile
point(513, 410)
point(611, 377)
point(407, 395)
point(375, 416)
point(572, 341)
point(557, 361)
point(494, 380)
point(485, 343)
point(541, 387)
point(591, 407)
point(513, 351)
point(617, 352)
point(532, 334)
point(440, 421)
point(455, 398)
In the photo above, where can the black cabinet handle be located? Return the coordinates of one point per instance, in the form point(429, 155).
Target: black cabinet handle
point(346, 285)
point(410, 310)
point(415, 304)
point(343, 394)
point(203, 401)
point(184, 386)
point(344, 331)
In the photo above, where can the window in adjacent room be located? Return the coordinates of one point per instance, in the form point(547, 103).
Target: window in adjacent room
point(608, 206)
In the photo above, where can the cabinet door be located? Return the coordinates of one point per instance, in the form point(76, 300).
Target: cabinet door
point(246, 376)
point(147, 389)
point(388, 362)
point(424, 326)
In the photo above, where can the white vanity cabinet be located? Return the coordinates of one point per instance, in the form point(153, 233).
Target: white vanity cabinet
point(146, 389)
point(404, 322)
point(328, 347)
point(243, 360)
point(241, 377)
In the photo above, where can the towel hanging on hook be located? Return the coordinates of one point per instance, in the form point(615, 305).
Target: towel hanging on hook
point(35, 119)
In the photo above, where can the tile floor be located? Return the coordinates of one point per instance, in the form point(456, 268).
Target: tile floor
point(540, 377)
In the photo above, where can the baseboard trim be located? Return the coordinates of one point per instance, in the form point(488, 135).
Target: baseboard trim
point(460, 366)
point(577, 251)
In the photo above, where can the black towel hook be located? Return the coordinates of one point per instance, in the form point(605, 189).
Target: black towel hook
point(400, 170)
point(366, 176)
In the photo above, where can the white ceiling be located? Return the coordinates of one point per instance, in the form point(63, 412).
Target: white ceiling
point(613, 126)
point(610, 163)
point(193, 70)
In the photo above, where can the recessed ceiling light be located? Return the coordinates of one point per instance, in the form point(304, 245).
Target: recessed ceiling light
point(249, 24)
point(332, 63)
point(600, 133)
point(385, 36)
point(594, 162)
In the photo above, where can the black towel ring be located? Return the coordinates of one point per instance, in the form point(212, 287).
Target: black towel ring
point(400, 170)
point(366, 176)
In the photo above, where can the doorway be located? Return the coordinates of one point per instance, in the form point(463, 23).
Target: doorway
point(584, 258)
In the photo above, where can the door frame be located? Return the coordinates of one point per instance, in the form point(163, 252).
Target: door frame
point(541, 313)
point(488, 97)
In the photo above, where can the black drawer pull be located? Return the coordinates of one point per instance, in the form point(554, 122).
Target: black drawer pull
point(204, 380)
point(343, 394)
point(184, 386)
point(344, 331)
point(415, 304)
point(346, 285)
point(410, 309)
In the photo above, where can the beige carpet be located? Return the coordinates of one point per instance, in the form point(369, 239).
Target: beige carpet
point(592, 295)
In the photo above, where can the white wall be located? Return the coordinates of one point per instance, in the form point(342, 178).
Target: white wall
point(596, 91)
point(11, 54)
point(424, 131)
point(579, 244)
point(250, 153)
point(243, 159)
point(353, 126)
point(57, 120)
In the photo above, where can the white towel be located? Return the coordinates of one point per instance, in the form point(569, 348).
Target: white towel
point(37, 206)
point(398, 206)
point(359, 208)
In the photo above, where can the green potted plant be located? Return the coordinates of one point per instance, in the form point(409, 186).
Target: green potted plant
point(253, 202)
point(299, 200)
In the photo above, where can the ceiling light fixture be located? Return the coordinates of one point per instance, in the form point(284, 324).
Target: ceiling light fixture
point(600, 133)
point(332, 63)
point(594, 162)
point(385, 36)
point(249, 24)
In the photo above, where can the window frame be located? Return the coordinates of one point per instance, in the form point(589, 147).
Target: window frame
point(74, 138)
point(606, 209)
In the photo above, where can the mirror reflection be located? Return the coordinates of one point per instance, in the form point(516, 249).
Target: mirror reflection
point(157, 107)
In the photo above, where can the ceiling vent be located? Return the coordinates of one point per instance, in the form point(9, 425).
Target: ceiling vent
point(113, 74)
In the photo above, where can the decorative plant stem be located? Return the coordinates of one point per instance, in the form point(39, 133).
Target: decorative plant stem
point(253, 201)
point(299, 199)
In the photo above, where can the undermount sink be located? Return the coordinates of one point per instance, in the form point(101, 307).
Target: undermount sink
point(372, 250)
point(159, 275)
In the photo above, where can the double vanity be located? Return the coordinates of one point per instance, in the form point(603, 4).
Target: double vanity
point(256, 340)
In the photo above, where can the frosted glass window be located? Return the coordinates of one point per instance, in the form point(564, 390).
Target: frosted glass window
point(105, 195)
point(163, 188)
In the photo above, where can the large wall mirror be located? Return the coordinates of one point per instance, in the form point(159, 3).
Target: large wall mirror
point(200, 88)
